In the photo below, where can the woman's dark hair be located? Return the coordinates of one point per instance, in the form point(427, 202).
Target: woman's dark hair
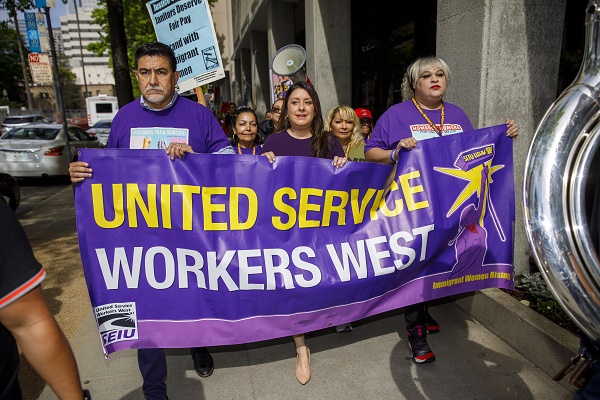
point(319, 143)
point(243, 110)
point(156, 49)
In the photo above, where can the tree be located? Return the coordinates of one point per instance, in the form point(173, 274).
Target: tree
point(12, 6)
point(21, 5)
point(11, 78)
point(138, 30)
point(71, 93)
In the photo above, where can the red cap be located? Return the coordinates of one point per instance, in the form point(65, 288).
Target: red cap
point(363, 113)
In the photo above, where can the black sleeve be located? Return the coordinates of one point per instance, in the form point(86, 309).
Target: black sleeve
point(19, 270)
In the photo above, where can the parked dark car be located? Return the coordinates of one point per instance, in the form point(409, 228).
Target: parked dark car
point(101, 129)
point(10, 190)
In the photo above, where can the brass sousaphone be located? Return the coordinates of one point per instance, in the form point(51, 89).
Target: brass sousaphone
point(556, 172)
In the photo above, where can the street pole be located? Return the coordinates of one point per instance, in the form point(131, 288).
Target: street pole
point(59, 99)
point(81, 50)
point(23, 62)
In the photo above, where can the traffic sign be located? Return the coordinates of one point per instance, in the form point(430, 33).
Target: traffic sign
point(40, 68)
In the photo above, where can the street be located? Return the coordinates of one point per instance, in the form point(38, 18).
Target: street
point(372, 361)
point(35, 190)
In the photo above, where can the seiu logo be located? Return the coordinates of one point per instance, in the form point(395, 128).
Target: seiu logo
point(115, 336)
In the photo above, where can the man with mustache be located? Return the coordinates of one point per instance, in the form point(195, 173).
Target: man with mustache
point(162, 115)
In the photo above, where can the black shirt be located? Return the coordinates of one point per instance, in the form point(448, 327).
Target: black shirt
point(19, 273)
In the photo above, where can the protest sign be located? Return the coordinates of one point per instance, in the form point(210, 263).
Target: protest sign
point(187, 27)
point(224, 249)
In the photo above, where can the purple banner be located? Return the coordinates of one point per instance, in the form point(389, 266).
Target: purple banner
point(224, 249)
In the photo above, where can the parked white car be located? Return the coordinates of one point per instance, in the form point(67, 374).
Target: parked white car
point(38, 150)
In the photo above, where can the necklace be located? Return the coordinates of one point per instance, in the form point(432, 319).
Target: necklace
point(434, 126)
point(240, 149)
point(347, 149)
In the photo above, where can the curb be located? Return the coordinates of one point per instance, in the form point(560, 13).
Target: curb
point(542, 342)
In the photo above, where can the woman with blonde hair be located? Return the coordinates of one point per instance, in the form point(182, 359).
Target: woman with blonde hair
point(422, 115)
point(343, 123)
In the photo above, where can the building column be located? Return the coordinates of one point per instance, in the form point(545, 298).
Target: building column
point(329, 51)
point(280, 22)
point(504, 57)
point(236, 82)
point(246, 77)
point(260, 66)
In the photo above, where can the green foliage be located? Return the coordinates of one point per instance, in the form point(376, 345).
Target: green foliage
point(20, 5)
point(138, 30)
point(535, 285)
point(544, 302)
point(71, 93)
point(11, 78)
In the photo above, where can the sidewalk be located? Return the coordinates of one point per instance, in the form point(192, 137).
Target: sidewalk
point(371, 362)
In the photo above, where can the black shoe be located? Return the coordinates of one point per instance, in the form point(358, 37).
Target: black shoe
point(431, 324)
point(417, 342)
point(203, 362)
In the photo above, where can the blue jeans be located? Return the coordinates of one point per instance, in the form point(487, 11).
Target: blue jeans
point(153, 366)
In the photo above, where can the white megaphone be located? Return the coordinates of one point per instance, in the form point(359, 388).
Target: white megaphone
point(289, 61)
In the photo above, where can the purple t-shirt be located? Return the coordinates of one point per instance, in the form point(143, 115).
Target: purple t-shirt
point(284, 144)
point(403, 120)
point(136, 127)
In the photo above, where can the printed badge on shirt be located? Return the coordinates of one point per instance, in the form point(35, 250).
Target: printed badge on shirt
point(425, 131)
point(157, 138)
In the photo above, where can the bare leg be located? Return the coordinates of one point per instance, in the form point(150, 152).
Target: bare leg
point(302, 360)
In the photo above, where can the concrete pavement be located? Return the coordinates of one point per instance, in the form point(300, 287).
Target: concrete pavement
point(373, 361)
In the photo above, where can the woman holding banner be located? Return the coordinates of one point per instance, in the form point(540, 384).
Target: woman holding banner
point(422, 115)
point(300, 132)
point(342, 122)
point(245, 138)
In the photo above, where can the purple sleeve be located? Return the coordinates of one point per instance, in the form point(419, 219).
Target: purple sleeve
point(266, 147)
point(465, 123)
point(335, 148)
point(379, 138)
point(113, 142)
